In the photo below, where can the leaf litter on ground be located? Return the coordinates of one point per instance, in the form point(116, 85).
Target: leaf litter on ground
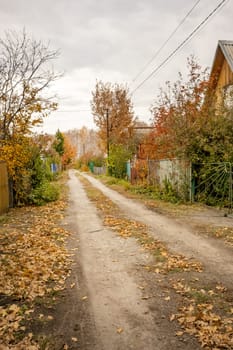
point(34, 263)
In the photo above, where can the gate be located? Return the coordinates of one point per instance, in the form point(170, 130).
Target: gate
point(4, 188)
point(212, 184)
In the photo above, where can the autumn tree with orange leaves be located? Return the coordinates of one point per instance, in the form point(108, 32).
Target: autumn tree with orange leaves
point(193, 124)
point(113, 113)
point(25, 78)
point(70, 153)
point(188, 122)
point(63, 146)
point(179, 114)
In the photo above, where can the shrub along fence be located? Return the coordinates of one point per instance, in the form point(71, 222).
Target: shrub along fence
point(4, 188)
point(210, 183)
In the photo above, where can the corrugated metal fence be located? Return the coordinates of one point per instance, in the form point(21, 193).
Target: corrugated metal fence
point(159, 172)
point(99, 170)
point(176, 171)
point(4, 188)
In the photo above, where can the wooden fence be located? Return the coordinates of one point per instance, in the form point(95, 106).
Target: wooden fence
point(4, 188)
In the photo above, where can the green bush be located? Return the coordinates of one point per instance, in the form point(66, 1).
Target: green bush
point(98, 161)
point(78, 164)
point(166, 192)
point(117, 159)
point(112, 181)
point(121, 182)
point(46, 192)
point(125, 184)
point(169, 193)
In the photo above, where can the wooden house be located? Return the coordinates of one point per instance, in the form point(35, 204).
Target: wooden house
point(222, 72)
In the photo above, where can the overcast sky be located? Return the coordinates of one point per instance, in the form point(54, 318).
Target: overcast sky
point(112, 40)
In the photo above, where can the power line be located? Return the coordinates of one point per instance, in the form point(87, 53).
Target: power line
point(73, 111)
point(183, 43)
point(164, 44)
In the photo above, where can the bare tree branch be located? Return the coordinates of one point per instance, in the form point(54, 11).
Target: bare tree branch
point(25, 76)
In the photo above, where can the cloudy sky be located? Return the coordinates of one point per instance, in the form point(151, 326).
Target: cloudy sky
point(112, 41)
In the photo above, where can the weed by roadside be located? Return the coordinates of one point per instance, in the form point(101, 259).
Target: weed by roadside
point(147, 194)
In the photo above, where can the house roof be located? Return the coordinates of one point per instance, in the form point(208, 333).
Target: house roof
point(227, 49)
point(224, 51)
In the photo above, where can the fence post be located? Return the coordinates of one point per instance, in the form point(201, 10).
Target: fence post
point(230, 190)
point(4, 188)
point(148, 171)
point(191, 183)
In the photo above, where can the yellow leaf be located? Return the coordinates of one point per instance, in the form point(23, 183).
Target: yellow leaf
point(172, 317)
point(190, 319)
point(179, 333)
point(74, 339)
point(119, 330)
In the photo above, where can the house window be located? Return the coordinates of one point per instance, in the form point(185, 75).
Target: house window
point(228, 96)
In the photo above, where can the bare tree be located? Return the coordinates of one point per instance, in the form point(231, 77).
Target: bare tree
point(26, 73)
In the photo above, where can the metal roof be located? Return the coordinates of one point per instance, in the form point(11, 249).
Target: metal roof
point(224, 51)
point(227, 49)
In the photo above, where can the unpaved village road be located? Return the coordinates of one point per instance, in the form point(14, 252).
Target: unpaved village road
point(216, 258)
point(125, 310)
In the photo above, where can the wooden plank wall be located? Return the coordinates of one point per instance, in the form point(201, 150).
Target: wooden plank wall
point(226, 76)
point(4, 188)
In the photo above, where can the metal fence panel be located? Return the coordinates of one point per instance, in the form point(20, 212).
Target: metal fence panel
point(175, 171)
point(157, 172)
point(97, 170)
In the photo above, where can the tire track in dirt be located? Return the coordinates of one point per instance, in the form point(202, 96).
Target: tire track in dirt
point(213, 254)
point(122, 317)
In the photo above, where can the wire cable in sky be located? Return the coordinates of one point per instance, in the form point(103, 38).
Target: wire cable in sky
point(183, 43)
point(72, 111)
point(165, 43)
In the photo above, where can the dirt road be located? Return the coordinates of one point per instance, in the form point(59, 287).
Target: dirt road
point(124, 307)
point(122, 320)
point(213, 254)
